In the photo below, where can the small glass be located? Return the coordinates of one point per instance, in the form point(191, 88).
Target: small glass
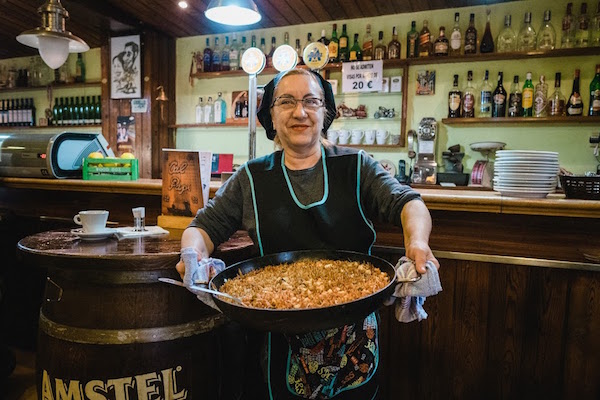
point(139, 214)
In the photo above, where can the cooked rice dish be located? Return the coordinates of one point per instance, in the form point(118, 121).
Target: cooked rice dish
point(307, 284)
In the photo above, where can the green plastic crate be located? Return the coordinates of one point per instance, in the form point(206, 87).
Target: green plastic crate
point(110, 169)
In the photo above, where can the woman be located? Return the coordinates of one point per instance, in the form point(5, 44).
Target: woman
point(312, 195)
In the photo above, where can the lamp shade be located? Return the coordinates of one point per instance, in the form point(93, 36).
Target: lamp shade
point(233, 12)
point(54, 51)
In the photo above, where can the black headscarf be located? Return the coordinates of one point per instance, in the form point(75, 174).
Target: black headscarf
point(264, 110)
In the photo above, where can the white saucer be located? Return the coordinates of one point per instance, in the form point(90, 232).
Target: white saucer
point(106, 233)
point(389, 166)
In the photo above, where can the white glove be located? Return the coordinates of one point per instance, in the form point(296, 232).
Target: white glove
point(198, 274)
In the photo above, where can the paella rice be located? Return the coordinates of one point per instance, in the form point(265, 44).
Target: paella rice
point(307, 284)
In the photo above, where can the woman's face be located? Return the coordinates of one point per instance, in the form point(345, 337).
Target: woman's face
point(299, 126)
point(117, 69)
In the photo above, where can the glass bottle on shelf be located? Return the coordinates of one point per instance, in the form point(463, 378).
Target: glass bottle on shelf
point(216, 57)
point(234, 54)
point(454, 100)
point(471, 37)
point(541, 98)
point(299, 52)
point(456, 37)
point(367, 46)
point(485, 97)
point(54, 111)
point(242, 49)
point(207, 56)
point(547, 35)
point(309, 40)
point(98, 111)
point(499, 99)
point(574, 106)
point(567, 39)
point(515, 99)
point(393, 49)
point(440, 47)
point(286, 37)
point(334, 44)
point(253, 41)
point(271, 52)
point(263, 47)
point(527, 39)
point(507, 39)
point(594, 40)
point(582, 35)
point(355, 50)
point(380, 49)
point(344, 48)
point(209, 117)
point(79, 69)
point(220, 109)
point(556, 102)
point(323, 39)
point(468, 101)
point(425, 40)
point(528, 90)
point(200, 111)
point(225, 55)
point(595, 94)
point(487, 41)
point(412, 41)
point(88, 112)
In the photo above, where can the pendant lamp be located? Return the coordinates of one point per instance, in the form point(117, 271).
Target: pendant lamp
point(233, 12)
point(52, 40)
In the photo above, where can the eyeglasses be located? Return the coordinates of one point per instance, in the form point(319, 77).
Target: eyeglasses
point(290, 103)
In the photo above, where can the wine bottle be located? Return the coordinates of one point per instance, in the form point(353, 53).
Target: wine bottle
point(595, 94)
point(412, 41)
point(454, 100)
point(487, 42)
point(499, 99)
point(515, 99)
point(575, 103)
point(355, 50)
point(556, 102)
point(471, 36)
point(468, 101)
point(528, 96)
point(485, 97)
point(343, 51)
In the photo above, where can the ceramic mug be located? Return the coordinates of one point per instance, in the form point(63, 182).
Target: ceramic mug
point(92, 221)
point(395, 139)
point(344, 136)
point(332, 136)
point(370, 136)
point(381, 136)
point(356, 136)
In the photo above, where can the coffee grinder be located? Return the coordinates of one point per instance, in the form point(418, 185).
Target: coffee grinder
point(425, 168)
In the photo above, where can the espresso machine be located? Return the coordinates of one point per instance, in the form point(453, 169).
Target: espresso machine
point(423, 140)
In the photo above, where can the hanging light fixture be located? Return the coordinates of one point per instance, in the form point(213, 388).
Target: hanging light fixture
point(52, 40)
point(233, 12)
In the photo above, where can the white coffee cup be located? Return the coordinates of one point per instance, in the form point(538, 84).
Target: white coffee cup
point(370, 136)
point(332, 135)
point(344, 136)
point(395, 139)
point(381, 136)
point(92, 221)
point(356, 136)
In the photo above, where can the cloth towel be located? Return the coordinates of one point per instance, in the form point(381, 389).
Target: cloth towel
point(129, 232)
point(409, 297)
point(198, 274)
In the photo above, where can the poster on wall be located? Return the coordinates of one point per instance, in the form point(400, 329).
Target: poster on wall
point(125, 70)
point(125, 135)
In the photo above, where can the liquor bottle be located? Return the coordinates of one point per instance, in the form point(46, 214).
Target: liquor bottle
point(547, 35)
point(225, 55)
point(528, 96)
point(220, 109)
point(393, 48)
point(245, 108)
point(79, 69)
point(499, 99)
point(527, 39)
point(200, 111)
point(344, 50)
point(253, 41)
point(595, 94)
point(299, 52)
point(425, 40)
point(380, 49)
point(263, 47)
point(286, 37)
point(595, 29)
point(216, 57)
point(507, 39)
point(575, 103)
point(440, 46)
point(234, 58)
point(485, 97)
point(567, 40)
point(271, 52)
point(207, 57)
point(487, 41)
point(323, 39)
point(471, 36)
point(367, 46)
point(334, 45)
point(454, 100)
point(468, 102)
point(242, 49)
point(355, 50)
point(309, 40)
point(412, 41)
point(456, 37)
point(582, 35)
point(209, 117)
point(541, 98)
point(556, 102)
point(515, 99)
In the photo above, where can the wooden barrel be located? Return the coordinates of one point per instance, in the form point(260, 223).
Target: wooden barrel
point(109, 330)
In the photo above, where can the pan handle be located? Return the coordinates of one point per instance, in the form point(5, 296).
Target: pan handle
point(407, 280)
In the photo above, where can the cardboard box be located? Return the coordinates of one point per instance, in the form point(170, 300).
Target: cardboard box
point(385, 85)
point(396, 84)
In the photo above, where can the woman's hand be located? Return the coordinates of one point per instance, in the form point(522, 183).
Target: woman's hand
point(420, 253)
point(416, 225)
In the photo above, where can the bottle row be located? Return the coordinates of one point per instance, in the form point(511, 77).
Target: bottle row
point(17, 112)
point(523, 101)
point(577, 31)
point(76, 111)
point(210, 112)
point(36, 74)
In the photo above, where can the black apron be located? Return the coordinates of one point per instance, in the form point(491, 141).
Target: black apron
point(337, 363)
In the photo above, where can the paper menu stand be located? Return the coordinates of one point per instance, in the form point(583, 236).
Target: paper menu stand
point(186, 181)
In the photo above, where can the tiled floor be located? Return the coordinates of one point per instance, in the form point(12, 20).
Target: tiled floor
point(21, 384)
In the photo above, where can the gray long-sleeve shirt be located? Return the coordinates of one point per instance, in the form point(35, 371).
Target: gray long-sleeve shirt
point(382, 197)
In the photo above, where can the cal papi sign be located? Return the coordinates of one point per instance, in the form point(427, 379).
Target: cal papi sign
point(362, 76)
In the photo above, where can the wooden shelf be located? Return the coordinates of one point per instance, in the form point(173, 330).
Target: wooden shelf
point(52, 85)
point(370, 146)
point(521, 120)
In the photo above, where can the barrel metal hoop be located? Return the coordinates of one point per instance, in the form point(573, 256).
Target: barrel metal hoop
point(128, 336)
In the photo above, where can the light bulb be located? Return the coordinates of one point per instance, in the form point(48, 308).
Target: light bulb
point(54, 50)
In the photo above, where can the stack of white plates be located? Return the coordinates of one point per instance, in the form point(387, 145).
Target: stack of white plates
point(525, 173)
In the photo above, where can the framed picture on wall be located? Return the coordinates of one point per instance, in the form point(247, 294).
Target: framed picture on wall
point(125, 70)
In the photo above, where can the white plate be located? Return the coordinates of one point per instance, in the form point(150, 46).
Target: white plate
point(501, 169)
point(487, 146)
point(527, 152)
point(529, 195)
point(512, 188)
point(389, 166)
point(526, 159)
point(522, 176)
point(106, 233)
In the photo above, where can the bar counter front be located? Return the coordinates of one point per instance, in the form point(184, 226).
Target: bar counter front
point(518, 316)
